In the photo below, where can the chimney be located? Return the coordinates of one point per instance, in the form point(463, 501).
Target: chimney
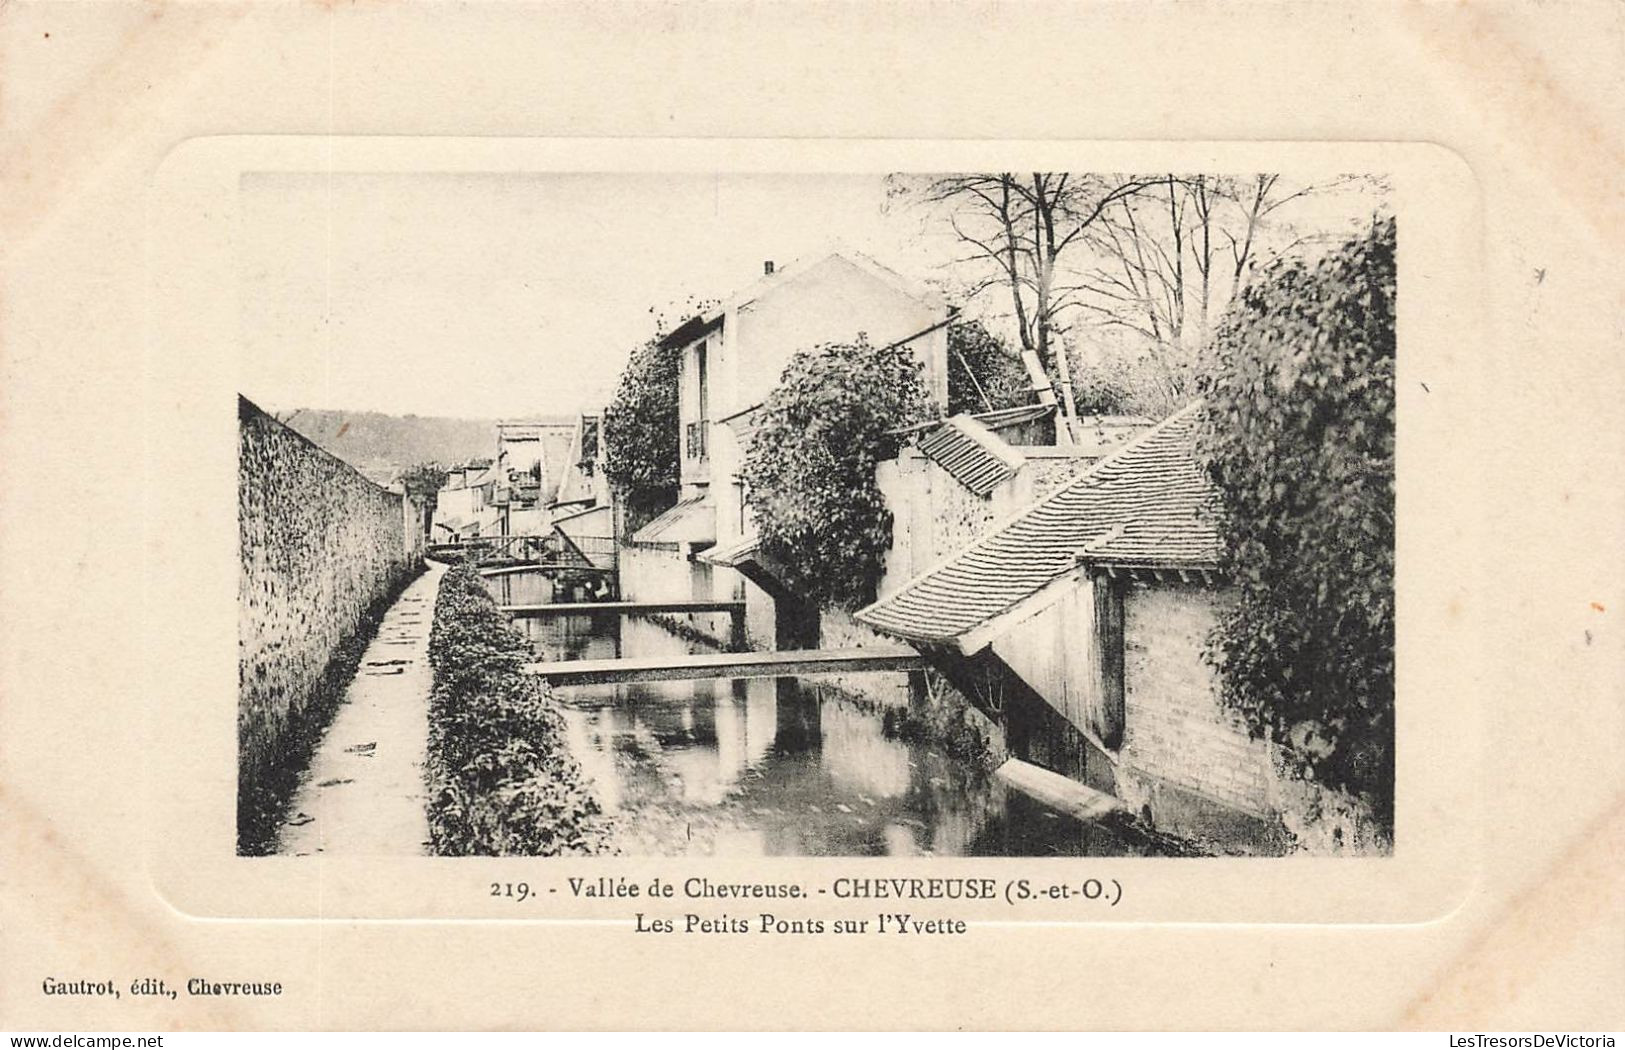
point(767, 268)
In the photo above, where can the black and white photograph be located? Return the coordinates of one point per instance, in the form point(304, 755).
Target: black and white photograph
point(813, 516)
point(992, 514)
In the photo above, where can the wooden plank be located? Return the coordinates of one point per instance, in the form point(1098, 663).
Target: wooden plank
point(581, 608)
point(513, 570)
point(1107, 641)
point(1062, 794)
point(680, 666)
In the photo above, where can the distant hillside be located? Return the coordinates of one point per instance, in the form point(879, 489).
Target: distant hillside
point(379, 444)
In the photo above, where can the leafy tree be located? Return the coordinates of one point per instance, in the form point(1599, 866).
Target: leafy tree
point(810, 469)
point(424, 479)
point(983, 373)
point(1299, 439)
point(640, 428)
point(641, 450)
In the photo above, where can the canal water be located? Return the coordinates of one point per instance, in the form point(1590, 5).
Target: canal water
point(787, 766)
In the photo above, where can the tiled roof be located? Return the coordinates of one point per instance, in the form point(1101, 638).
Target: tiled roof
point(973, 455)
point(1001, 418)
point(1147, 504)
point(734, 554)
point(693, 520)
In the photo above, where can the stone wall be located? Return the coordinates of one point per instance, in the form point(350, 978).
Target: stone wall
point(1174, 726)
point(1048, 468)
point(934, 515)
point(319, 546)
point(1191, 762)
point(1185, 760)
point(838, 630)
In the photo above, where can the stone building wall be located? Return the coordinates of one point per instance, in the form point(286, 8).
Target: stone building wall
point(838, 630)
point(654, 572)
point(933, 515)
point(319, 544)
point(1174, 726)
point(1047, 469)
point(1192, 763)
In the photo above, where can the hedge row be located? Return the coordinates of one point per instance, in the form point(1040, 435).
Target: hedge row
point(502, 780)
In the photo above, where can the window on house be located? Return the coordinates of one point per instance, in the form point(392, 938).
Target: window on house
point(705, 380)
point(694, 434)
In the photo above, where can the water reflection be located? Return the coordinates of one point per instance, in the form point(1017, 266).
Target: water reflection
point(779, 766)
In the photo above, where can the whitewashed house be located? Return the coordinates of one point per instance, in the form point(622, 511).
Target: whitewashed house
point(731, 358)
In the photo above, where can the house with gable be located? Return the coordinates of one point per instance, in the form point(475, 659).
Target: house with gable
point(952, 479)
point(731, 357)
point(463, 506)
point(530, 460)
point(1077, 626)
point(582, 507)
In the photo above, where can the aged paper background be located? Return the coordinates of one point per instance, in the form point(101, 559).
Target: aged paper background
point(126, 127)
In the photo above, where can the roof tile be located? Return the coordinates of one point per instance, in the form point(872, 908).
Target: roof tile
point(1148, 504)
point(973, 455)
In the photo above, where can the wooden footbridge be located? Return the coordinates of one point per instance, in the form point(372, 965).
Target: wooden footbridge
point(735, 608)
point(680, 666)
point(555, 554)
point(491, 548)
point(543, 568)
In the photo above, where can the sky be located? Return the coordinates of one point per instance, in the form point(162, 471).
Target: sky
point(518, 294)
point(510, 295)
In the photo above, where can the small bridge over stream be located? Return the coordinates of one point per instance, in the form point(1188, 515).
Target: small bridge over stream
point(679, 666)
point(519, 570)
point(556, 551)
point(733, 607)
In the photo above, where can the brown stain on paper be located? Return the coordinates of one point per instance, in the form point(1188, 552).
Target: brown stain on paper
point(114, 104)
point(91, 911)
point(1532, 934)
point(1578, 154)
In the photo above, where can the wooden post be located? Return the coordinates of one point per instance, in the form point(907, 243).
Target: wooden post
point(1108, 654)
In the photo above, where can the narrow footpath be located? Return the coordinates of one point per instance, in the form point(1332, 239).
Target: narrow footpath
point(363, 793)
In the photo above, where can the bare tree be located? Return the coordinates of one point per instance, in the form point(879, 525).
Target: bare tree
point(1167, 261)
point(1156, 258)
point(1019, 228)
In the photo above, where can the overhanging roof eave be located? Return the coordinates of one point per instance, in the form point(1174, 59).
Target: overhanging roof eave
point(690, 330)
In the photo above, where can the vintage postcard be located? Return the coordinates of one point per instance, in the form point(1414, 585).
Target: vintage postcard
point(939, 576)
